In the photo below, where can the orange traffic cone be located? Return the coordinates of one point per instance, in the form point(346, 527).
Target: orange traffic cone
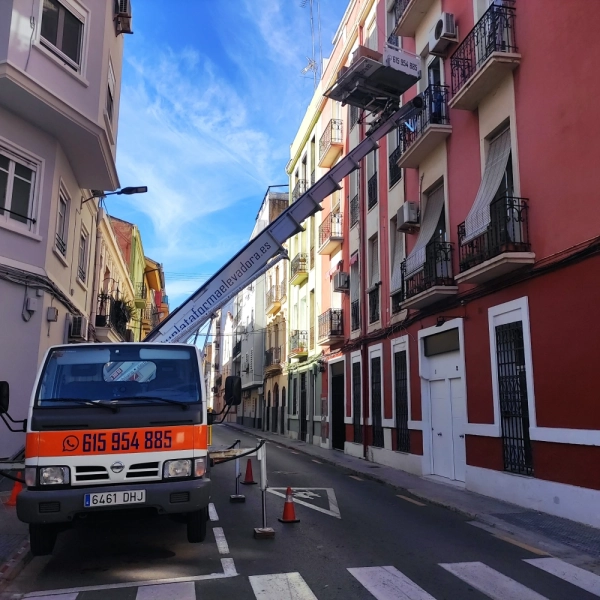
point(289, 512)
point(249, 478)
point(12, 501)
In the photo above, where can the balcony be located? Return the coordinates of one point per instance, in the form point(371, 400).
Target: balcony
point(150, 317)
point(354, 210)
point(372, 191)
point(373, 305)
point(274, 296)
point(504, 246)
point(331, 234)
point(331, 143)
point(355, 315)
point(395, 170)
point(484, 57)
point(299, 189)
point(429, 128)
point(434, 281)
point(331, 327)
point(111, 319)
point(140, 295)
point(273, 360)
point(299, 344)
point(409, 13)
point(299, 269)
point(237, 350)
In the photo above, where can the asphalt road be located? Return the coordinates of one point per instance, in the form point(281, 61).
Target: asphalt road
point(372, 527)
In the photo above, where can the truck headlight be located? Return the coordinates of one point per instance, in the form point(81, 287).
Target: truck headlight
point(54, 475)
point(199, 467)
point(177, 468)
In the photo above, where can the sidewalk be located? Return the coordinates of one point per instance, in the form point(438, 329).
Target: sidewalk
point(14, 538)
point(568, 540)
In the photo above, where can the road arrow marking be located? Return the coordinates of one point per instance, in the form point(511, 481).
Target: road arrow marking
point(333, 511)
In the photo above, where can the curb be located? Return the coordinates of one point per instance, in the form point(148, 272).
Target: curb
point(15, 564)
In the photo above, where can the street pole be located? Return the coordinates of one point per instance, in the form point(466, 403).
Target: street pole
point(263, 532)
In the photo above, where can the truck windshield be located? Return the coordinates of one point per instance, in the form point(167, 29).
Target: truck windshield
point(122, 374)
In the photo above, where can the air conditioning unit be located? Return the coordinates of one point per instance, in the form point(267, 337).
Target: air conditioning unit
point(341, 282)
point(123, 16)
point(129, 335)
point(443, 34)
point(407, 217)
point(79, 327)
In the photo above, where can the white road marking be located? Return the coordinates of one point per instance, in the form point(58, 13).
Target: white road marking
point(284, 586)
point(410, 500)
point(387, 583)
point(333, 511)
point(167, 591)
point(294, 452)
point(221, 541)
point(490, 582)
point(212, 512)
point(355, 477)
point(60, 597)
point(580, 577)
point(317, 461)
point(228, 567)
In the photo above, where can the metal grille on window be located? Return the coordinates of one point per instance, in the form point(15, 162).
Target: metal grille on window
point(374, 281)
point(355, 294)
point(512, 391)
point(303, 423)
point(401, 400)
point(376, 401)
point(356, 407)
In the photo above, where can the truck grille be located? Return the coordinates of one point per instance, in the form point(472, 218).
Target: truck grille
point(143, 470)
point(49, 507)
point(91, 474)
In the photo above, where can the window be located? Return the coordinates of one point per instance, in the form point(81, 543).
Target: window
point(83, 255)
point(373, 280)
point(356, 402)
point(376, 406)
point(110, 92)
point(62, 30)
point(62, 225)
point(16, 189)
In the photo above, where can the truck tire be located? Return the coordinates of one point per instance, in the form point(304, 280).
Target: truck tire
point(196, 525)
point(42, 538)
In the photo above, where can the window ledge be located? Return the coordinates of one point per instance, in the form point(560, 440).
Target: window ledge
point(109, 128)
point(76, 75)
point(60, 257)
point(5, 224)
point(82, 284)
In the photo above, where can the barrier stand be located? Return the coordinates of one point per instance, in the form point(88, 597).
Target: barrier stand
point(263, 532)
point(237, 497)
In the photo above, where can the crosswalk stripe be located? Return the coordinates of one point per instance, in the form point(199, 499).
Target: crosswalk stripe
point(167, 591)
point(579, 577)
point(490, 582)
point(284, 586)
point(387, 583)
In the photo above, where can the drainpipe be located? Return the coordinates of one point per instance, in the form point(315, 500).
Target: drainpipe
point(97, 267)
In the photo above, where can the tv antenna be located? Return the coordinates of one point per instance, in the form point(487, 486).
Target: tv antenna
point(313, 65)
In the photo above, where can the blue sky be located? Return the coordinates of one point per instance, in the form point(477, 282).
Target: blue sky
point(212, 96)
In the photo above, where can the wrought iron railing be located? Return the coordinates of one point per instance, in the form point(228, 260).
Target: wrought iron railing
point(273, 357)
point(494, 32)
point(354, 210)
point(395, 170)
point(354, 116)
point(299, 264)
point(333, 134)
point(299, 189)
point(374, 305)
point(331, 227)
point(508, 231)
point(355, 315)
point(112, 313)
point(274, 295)
point(437, 270)
point(61, 245)
point(298, 341)
point(393, 40)
point(81, 274)
point(399, 8)
point(331, 323)
point(237, 348)
point(372, 191)
point(434, 112)
point(140, 290)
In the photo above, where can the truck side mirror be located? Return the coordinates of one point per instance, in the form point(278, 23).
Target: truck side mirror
point(4, 393)
point(233, 390)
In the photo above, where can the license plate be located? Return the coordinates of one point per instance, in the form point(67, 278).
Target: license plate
point(114, 498)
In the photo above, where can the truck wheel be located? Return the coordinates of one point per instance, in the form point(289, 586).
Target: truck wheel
point(196, 525)
point(42, 539)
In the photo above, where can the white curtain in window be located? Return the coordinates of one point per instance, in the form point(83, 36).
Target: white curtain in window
point(429, 221)
point(397, 257)
point(354, 282)
point(478, 219)
point(374, 267)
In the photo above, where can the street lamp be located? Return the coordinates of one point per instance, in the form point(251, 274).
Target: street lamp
point(128, 191)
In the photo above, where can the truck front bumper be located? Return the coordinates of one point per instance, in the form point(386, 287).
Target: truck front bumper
point(62, 506)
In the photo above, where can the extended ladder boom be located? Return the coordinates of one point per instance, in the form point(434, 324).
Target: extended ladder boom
point(267, 247)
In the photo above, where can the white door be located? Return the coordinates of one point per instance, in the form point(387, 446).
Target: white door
point(459, 420)
point(441, 429)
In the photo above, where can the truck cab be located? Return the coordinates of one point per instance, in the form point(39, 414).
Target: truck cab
point(115, 427)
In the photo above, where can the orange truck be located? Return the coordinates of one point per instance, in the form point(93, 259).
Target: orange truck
point(113, 428)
